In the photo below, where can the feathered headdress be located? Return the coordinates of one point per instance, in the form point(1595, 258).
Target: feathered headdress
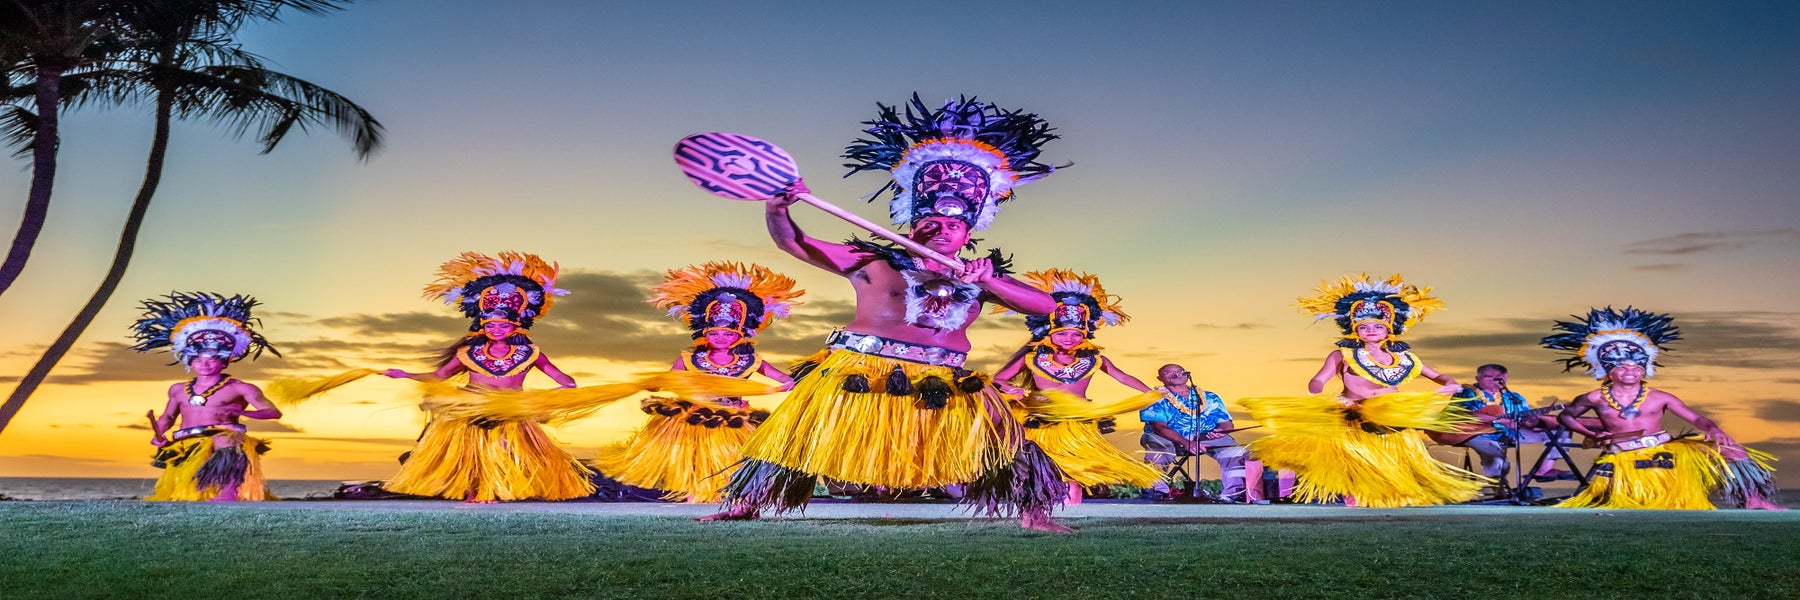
point(477, 283)
point(191, 325)
point(959, 161)
point(1081, 304)
point(1354, 300)
point(1608, 338)
point(726, 295)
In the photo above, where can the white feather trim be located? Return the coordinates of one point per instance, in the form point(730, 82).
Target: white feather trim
point(1612, 332)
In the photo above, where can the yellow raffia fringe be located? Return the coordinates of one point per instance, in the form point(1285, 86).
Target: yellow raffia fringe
point(684, 460)
point(692, 385)
point(287, 391)
point(1697, 472)
point(670, 454)
point(1430, 411)
point(563, 405)
point(1087, 458)
point(1336, 457)
point(1058, 405)
point(1075, 443)
point(1323, 415)
point(513, 460)
point(876, 439)
point(177, 481)
point(449, 401)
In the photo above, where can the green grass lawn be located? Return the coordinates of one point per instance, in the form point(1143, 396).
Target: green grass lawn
point(139, 550)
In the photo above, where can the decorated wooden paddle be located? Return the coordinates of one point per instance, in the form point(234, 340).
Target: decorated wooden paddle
point(740, 167)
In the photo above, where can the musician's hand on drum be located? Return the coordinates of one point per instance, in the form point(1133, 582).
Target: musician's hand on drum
point(1212, 435)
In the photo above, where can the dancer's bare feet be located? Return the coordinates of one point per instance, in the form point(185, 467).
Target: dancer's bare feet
point(1043, 522)
point(226, 494)
point(1760, 503)
point(735, 513)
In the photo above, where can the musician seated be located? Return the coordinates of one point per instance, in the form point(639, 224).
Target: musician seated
point(1189, 421)
point(1509, 420)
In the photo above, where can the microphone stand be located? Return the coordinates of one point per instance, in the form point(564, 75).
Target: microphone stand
point(1522, 475)
point(1194, 457)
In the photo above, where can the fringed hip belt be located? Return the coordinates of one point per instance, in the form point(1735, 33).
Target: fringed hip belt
point(705, 416)
point(896, 349)
point(200, 430)
point(1649, 441)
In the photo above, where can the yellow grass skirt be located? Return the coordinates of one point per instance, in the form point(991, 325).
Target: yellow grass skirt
point(485, 461)
point(873, 438)
point(1335, 455)
point(567, 404)
point(180, 479)
point(1678, 475)
point(678, 452)
point(1066, 431)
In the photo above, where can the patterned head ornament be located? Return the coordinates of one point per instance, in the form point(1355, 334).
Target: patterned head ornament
point(1082, 304)
point(1354, 300)
point(726, 295)
point(959, 161)
point(476, 283)
point(498, 314)
point(1607, 338)
point(191, 325)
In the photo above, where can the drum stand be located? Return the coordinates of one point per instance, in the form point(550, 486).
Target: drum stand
point(1557, 443)
point(1517, 491)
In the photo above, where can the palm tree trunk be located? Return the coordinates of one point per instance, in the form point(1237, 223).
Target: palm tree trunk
point(153, 168)
point(43, 174)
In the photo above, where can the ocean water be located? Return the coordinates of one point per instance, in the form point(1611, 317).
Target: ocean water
point(95, 488)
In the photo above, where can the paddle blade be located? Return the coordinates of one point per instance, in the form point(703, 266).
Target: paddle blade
point(740, 167)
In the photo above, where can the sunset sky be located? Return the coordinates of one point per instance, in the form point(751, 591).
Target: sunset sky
point(1526, 160)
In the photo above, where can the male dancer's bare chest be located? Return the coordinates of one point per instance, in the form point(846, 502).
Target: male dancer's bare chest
point(918, 306)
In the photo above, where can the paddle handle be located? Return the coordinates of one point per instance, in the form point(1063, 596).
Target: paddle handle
point(880, 231)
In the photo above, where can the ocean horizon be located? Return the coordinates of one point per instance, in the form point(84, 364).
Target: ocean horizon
point(132, 488)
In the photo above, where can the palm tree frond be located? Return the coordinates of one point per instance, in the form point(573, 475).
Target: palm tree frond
point(18, 130)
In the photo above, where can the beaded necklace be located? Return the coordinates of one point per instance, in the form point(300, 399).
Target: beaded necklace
point(739, 365)
point(200, 398)
point(1392, 375)
point(517, 359)
point(1629, 411)
point(1069, 373)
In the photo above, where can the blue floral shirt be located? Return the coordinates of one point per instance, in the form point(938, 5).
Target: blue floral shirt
point(1510, 401)
point(1186, 422)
